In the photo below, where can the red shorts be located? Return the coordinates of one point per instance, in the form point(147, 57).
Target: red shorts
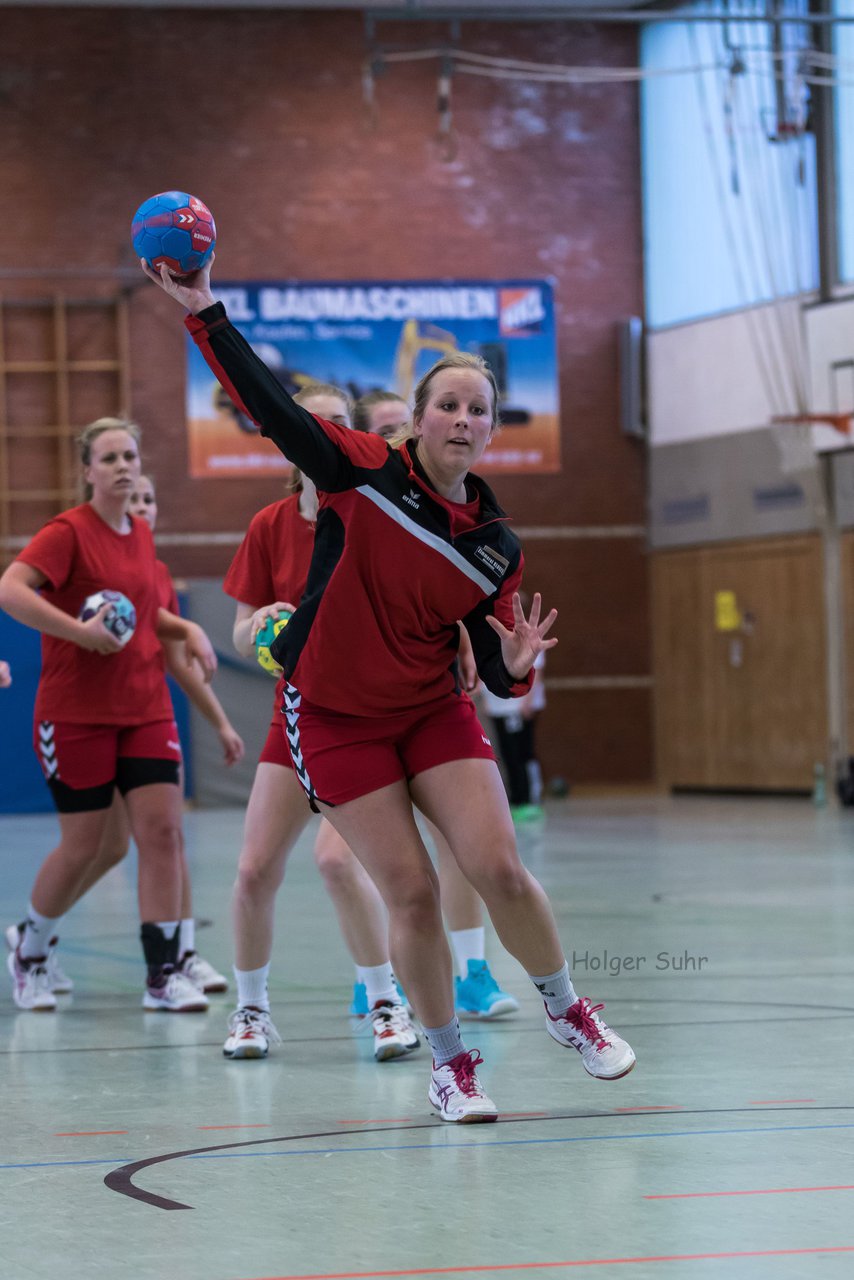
point(339, 757)
point(88, 760)
point(275, 748)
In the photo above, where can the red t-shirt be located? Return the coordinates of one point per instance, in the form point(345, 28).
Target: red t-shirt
point(80, 554)
point(166, 593)
point(272, 561)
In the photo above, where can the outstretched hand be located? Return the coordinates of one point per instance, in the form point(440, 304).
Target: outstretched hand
point(193, 291)
point(520, 646)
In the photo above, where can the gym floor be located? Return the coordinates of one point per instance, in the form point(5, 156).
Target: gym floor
point(719, 934)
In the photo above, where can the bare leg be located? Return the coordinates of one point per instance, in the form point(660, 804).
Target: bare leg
point(467, 802)
point(461, 904)
point(275, 817)
point(355, 897)
point(380, 829)
point(155, 813)
point(56, 885)
point(113, 846)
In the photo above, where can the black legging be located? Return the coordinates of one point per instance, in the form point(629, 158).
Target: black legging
point(516, 745)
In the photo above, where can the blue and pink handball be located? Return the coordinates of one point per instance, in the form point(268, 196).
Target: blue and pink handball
point(176, 228)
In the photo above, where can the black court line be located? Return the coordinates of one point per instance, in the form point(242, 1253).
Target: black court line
point(121, 1179)
point(487, 1030)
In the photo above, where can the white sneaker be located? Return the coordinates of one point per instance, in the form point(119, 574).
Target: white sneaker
point(249, 1033)
point(176, 994)
point(60, 983)
point(456, 1094)
point(394, 1034)
point(603, 1053)
point(30, 987)
point(202, 974)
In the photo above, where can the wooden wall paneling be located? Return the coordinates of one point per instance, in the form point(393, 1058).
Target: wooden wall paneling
point(743, 708)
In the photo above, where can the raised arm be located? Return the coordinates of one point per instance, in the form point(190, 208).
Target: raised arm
point(320, 450)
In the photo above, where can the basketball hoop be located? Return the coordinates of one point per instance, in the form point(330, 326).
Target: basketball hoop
point(794, 437)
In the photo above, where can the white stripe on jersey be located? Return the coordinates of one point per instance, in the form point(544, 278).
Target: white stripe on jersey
point(486, 585)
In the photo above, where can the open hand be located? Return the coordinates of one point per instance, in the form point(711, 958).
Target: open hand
point(520, 646)
point(232, 744)
point(193, 291)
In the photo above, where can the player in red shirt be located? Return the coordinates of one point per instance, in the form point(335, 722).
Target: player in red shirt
point(408, 541)
point(268, 574)
point(103, 716)
point(115, 841)
point(476, 993)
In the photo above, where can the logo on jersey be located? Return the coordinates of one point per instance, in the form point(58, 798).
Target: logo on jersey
point(491, 560)
point(412, 499)
point(521, 312)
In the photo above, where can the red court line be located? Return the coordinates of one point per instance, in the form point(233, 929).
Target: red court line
point(578, 1262)
point(774, 1102)
point(89, 1133)
point(762, 1191)
point(233, 1126)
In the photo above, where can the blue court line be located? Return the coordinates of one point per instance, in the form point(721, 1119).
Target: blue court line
point(446, 1146)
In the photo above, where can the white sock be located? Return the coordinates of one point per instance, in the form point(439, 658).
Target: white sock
point(186, 936)
point(252, 987)
point(379, 983)
point(557, 990)
point(38, 931)
point(168, 928)
point(468, 944)
point(446, 1042)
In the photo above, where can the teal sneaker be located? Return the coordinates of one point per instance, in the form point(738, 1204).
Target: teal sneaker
point(359, 1003)
point(478, 995)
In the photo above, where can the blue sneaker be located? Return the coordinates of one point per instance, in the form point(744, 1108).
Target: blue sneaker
point(478, 995)
point(359, 1004)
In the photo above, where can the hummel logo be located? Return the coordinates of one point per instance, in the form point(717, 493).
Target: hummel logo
point(412, 499)
point(175, 746)
point(485, 740)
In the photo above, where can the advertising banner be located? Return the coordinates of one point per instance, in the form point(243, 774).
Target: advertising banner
point(384, 335)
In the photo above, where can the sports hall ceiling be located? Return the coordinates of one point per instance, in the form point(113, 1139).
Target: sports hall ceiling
point(530, 9)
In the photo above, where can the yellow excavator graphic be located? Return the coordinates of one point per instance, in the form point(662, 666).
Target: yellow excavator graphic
point(417, 336)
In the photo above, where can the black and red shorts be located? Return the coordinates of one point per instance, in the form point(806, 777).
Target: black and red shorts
point(83, 763)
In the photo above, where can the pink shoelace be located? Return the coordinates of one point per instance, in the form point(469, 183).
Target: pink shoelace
point(463, 1067)
point(580, 1015)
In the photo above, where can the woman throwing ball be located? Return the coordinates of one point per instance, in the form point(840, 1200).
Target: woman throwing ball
point(103, 717)
point(408, 541)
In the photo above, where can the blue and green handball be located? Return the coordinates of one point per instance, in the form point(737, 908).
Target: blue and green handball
point(265, 638)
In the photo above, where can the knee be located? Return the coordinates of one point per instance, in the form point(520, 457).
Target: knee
point(504, 875)
point(159, 837)
point(415, 902)
point(110, 854)
point(337, 865)
point(256, 879)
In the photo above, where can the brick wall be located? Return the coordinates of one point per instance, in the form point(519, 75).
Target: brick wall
point(260, 113)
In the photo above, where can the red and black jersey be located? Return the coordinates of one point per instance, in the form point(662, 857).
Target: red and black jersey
point(394, 563)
